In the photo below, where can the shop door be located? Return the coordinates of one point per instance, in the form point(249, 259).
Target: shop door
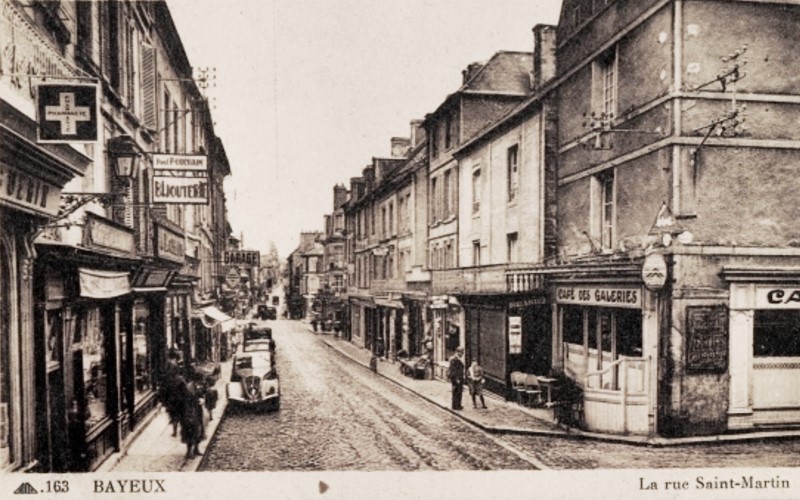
point(398, 331)
point(537, 351)
point(473, 336)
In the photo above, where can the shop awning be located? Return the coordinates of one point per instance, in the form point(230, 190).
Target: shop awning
point(212, 317)
point(97, 284)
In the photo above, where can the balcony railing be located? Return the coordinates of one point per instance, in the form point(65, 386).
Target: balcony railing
point(471, 279)
point(523, 281)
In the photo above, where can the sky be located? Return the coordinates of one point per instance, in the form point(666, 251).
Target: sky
point(306, 92)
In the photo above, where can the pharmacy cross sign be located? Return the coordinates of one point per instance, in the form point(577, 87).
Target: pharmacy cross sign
point(67, 112)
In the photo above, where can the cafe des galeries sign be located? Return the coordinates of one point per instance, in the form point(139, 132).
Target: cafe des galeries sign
point(628, 297)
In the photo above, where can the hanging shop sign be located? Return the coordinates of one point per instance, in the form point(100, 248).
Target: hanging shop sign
point(67, 113)
point(192, 163)
point(24, 191)
point(181, 190)
point(654, 271)
point(169, 244)
point(107, 235)
point(242, 257)
point(515, 334)
point(626, 297)
point(232, 279)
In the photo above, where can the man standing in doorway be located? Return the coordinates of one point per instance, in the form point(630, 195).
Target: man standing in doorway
point(455, 373)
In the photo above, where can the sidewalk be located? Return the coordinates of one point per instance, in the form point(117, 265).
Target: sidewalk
point(154, 449)
point(509, 417)
point(500, 417)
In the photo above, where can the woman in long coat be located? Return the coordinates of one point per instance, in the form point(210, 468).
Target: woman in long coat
point(172, 393)
point(192, 431)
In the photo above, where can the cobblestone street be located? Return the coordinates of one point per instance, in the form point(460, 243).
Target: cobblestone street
point(337, 416)
point(564, 453)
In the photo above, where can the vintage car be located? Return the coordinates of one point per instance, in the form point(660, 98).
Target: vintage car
point(254, 381)
point(266, 312)
point(259, 345)
point(254, 331)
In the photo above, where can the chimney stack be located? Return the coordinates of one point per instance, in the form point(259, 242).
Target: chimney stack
point(400, 146)
point(468, 73)
point(544, 54)
point(417, 133)
point(357, 187)
point(339, 196)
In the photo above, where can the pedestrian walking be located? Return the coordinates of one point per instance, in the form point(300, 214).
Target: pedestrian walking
point(192, 429)
point(455, 374)
point(211, 397)
point(476, 381)
point(172, 391)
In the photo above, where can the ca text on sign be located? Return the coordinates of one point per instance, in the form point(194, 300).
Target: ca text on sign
point(66, 113)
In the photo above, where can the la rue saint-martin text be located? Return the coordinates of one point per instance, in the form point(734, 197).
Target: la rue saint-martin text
point(715, 483)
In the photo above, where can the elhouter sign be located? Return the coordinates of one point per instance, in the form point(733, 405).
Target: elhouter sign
point(242, 257)
point(184, 190)
point(66, 113)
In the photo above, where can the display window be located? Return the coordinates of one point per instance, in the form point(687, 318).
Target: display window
point(776, 333)
point(142, 351)
point(6, 444)
point(95, 377)
point(609, 333)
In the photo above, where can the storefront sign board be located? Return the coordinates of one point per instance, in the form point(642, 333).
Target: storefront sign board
point(170, 245)
point(181, 190)
point(105, 234)
point(777, 297)
point(22, 190)
point(627, 297)
point(242, 257)
point(707, 338)
point(197, 163)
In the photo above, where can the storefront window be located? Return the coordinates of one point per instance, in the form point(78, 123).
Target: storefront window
point(776, 333)
point(573, 325)
point(95, 378)
point(606, 333)
point(5, 371)
point(592, 333)
point(629, 332)
point(142, 369)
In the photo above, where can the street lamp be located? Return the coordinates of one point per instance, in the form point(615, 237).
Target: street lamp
point(124, 154)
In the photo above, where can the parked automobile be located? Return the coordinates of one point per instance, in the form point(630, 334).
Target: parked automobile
point(265, 311)
point(254, 381)
point(260, 345)
point(255, 331)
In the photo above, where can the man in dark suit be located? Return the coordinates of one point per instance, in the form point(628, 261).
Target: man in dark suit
point(455, 373)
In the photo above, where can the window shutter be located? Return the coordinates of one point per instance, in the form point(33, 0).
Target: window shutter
point(149, 88)
point(129, 207)
point(105, 38)
point(113, 46)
